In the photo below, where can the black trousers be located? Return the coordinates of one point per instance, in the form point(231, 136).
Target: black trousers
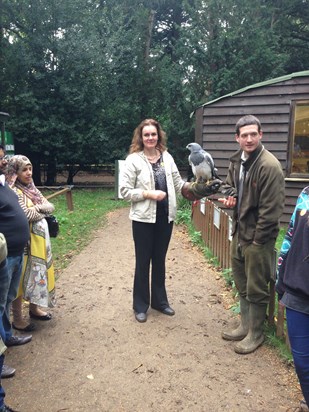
point(151, 242)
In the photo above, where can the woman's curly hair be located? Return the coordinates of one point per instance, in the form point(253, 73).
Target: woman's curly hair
point(137, 144)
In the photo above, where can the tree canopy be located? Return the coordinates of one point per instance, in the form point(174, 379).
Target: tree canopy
point(77, 76)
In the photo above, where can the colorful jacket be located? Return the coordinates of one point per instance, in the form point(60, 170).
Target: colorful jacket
point(263, 196)
point(293, 262)
point(138, 176)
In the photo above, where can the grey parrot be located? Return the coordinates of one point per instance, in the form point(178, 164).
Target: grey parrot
point(202, 164)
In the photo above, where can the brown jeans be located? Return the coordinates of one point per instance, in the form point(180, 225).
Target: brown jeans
point(253, 266)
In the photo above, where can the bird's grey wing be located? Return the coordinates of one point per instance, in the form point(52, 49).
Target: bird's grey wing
point(208, 158)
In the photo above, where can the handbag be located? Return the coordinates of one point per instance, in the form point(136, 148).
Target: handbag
point(53, 225)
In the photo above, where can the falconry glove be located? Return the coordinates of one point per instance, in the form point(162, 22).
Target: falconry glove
point(196, 191)
point(229, 191)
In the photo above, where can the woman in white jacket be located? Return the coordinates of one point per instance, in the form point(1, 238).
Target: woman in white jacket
point(150, 182)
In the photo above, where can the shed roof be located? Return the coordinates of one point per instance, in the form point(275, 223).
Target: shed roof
point(261, 84)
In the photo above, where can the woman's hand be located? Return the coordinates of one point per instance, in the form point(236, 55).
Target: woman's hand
point(154, 194)
point(46, 207)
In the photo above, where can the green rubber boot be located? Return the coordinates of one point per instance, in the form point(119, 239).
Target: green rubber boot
point(241, 331)
point(255, 337)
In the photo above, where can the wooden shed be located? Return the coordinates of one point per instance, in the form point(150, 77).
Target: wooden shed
point(282, 105)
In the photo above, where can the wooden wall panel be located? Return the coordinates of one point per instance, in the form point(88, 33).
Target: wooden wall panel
point(271, 103)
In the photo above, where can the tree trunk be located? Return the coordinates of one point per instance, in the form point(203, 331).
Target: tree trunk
point(51, 174)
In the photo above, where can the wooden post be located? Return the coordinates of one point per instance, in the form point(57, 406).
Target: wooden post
point(69, 197)
point(280, 321)
point(272, 300)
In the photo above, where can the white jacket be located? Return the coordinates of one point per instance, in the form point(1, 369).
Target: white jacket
point(138, 176)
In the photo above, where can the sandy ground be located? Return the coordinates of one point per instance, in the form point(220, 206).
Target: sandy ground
point(94, 356)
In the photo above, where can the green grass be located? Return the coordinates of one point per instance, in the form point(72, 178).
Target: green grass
point(280, 237)
point(279, 344)
point(90, 210)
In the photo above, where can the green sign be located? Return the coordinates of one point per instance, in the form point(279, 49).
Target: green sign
point(9, 143)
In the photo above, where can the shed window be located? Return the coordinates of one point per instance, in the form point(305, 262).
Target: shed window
point(300, 138)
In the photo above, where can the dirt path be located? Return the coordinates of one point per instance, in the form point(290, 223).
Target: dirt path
point(94, 356)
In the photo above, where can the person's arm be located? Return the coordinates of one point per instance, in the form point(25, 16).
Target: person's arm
point(157, 195)
point(195, 191)
point(132, 187)
point(45, 207)
point(228, 189)
point(286, 244)
point(271, 201)
point(284, 251)
point(31, 211)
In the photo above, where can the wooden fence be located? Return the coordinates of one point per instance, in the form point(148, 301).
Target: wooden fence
point(61, 191)
point(215, 227)
point(215, 224)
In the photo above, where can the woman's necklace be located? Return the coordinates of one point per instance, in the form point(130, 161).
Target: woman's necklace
point(153, 158)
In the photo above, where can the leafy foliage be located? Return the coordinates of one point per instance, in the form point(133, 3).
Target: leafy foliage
point(77, 76)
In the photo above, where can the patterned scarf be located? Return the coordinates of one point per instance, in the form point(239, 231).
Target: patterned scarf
point(15, 166)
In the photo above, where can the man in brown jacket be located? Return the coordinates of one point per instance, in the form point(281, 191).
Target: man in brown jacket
point(255, 189)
